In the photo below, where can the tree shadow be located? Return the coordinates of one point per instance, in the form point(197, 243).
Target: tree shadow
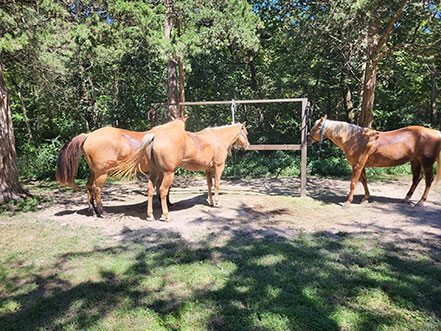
point(298, 283)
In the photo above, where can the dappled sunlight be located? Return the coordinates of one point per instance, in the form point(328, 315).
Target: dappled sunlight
point(243, 281)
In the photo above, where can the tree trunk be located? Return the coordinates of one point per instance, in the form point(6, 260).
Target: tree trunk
point(10, 188)
point(181, 77)
point(172, 88)
point(367, 102)
point(347, 97)
point(181, 87)
point(434, 115)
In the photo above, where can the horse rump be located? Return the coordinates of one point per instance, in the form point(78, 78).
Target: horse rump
point(131, 165)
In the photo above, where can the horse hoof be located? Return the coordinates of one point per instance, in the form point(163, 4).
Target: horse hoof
point(345, 206)
point(150, 218)
point(216, 205)
point(104, 214)
point(91, 212)
point(407, 201)
point(164, 218)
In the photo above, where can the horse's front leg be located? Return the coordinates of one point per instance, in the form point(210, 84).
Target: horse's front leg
point(363, 179)
point(167, 181)
point(218, 170)
point(356, 172)
point(209, 175)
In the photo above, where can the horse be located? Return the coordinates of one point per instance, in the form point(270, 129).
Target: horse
point(365, 147)
point(102, 149)
point(204, 150)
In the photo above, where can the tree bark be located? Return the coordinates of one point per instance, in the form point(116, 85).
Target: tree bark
point(367, 102)
point(181, 87)
point(10, 188)
point(172, 88)
point(434, 115)
point(347, 97)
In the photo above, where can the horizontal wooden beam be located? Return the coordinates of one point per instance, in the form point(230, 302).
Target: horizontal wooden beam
point(275, 147)
point(205, 103)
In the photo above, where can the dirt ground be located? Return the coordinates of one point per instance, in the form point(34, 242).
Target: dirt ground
point(266, 207)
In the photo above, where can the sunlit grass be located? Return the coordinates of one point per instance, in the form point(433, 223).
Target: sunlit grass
point(75, 278)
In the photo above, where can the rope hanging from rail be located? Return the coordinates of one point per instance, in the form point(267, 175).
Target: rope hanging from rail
point(233, 109)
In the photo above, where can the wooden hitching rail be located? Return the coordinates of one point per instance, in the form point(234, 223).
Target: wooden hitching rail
point(302, 147)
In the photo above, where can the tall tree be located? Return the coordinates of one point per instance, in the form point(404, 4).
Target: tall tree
point(10, 188)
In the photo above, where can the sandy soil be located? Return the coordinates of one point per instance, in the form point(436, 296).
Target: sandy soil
point(266, 207)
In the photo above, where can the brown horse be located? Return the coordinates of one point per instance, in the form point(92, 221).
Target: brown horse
point(204, 150)
point(102, 149)
point(364, 147)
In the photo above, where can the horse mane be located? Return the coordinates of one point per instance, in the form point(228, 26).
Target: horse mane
point(339, 128)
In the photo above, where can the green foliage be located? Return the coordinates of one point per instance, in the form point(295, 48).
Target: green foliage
point(262, 164)
point(74, 67)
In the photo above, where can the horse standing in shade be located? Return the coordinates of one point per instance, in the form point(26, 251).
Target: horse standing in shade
point(102, 149)
point(204, 150)
point(364, 147)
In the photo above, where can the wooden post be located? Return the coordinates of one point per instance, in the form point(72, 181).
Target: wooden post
point(303, 151)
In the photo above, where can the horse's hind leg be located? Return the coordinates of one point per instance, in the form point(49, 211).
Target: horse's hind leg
point(363, 179)
point(209, 175)
point(91, 194)
point(99, 183)
point(167, 181)
point(417, 175)
point(169, 204)
point(428, 176)
point(150, 192)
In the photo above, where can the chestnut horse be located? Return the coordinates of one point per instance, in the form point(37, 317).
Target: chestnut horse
point(364, 147)
point(204, 150)
point(102, 149)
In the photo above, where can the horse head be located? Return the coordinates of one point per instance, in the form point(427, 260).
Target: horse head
point(315, 134)
point(242, 137)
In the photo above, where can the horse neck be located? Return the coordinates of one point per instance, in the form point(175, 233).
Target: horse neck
point(339, 132)
point(227, 134)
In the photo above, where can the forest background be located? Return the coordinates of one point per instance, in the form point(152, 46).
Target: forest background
point(75, 66)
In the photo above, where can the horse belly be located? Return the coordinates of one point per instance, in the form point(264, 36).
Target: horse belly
point(194, 165)
point(387, 159)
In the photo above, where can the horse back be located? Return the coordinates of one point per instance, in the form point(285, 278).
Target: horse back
point(400, 146)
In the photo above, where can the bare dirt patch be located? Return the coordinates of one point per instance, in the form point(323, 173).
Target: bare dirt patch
point(266, 207)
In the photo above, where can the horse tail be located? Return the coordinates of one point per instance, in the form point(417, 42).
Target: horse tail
point(68, 160)
point(131, 165)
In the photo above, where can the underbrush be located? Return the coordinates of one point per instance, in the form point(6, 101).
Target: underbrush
point(325, 160)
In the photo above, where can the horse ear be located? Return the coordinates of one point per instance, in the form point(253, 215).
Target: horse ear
point(185, 120)
point(325, 117)
point(244, 124)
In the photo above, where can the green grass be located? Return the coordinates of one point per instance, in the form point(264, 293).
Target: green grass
point(59, 277)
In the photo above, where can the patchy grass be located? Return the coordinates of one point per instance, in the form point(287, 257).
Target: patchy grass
point(60, 277)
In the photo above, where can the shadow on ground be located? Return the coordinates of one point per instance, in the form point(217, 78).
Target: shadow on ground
point(244, 283)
